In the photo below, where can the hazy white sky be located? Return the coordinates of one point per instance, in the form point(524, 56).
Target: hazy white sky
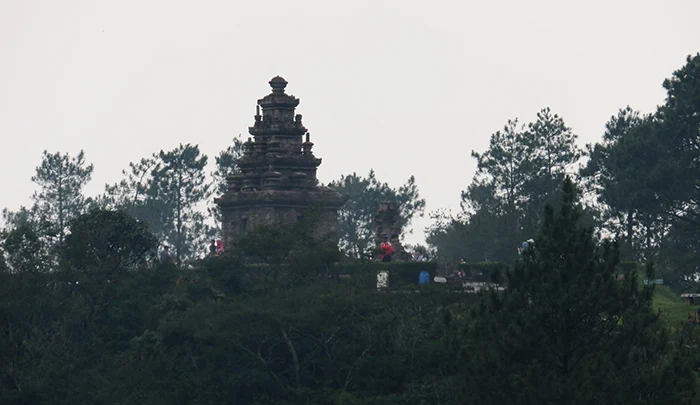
point(404, 87)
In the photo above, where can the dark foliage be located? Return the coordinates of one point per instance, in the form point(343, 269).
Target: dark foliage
point(107, 241)
point(272, 322)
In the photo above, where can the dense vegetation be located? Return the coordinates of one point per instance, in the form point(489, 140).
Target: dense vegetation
point(89, 315)
point(641, 182)
point(265, 325)
point(172, 193)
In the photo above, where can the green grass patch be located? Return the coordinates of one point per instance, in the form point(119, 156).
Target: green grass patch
point(674, 309)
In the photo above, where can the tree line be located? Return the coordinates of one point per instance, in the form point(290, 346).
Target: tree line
point(269, 323)
point(172, 193)
point(87, 317)
point(641, 183)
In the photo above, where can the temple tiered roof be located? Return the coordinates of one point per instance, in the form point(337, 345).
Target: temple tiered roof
point(278, 170)
point(279, 155)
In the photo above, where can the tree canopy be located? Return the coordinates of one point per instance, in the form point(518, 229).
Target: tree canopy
point(364, 196)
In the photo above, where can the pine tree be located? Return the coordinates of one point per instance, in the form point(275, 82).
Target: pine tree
point(226, 165)
point(553, 153)
point(61, 179)
point(137, 195)
point(181, 184)
point(357, 215)
point(567, 330)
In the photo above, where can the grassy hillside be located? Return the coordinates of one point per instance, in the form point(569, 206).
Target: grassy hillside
point(674, 309)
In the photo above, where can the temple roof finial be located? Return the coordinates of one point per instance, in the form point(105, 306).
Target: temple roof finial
point(278, 84)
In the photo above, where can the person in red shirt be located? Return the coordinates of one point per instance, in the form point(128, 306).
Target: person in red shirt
point(386, 249)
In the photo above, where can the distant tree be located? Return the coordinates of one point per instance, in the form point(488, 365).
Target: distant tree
point(181, 184)
point(566, 330)
point(516, 177)
point(25, 249)
point(679, 255)
point(133, 190)
point(481, 236)
point(645, 172)
point(495, 202)
point(677, 172)
point(137, 195)
point(357, 215)
point(679, 119)
point(504, 170)
point(107, 241)
point(447, 235)
point(4, 268)
point(61, 179)
point(554, 145)
point(487, 227)
point(421, 249)
point(22, 216)
point(226, 165)
point(28, 240)
point(620, 168)
point(554, 153)
point(166, 191)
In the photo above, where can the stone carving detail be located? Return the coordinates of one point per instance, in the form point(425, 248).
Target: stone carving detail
point(278, 182)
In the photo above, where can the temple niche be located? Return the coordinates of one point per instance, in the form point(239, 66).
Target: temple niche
point(387, 223)
point(277, 183)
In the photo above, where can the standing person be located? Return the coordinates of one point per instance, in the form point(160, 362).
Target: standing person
point(522, 248)
point(212, 248)
point(387, 249)
point(525, 246)
point(165, 255)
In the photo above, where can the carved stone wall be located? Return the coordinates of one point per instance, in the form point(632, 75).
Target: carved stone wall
point(237, 220)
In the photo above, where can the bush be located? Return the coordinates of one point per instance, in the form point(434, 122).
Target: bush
point(627, 266)
point(225, 272)
point(107, 241)
point(401, 274)
point(481, 271)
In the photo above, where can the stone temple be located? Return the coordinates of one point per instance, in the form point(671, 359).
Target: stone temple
point(387, 223)
point(277, 183)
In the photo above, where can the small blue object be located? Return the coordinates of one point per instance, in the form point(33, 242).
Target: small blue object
point(424, 277)
point(522, 248)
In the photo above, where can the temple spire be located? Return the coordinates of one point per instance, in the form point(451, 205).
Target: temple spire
point(277, 179)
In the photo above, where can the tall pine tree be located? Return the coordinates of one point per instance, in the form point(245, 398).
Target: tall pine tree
point(567, 330)
point(137, 195)
point(181, 183)
point(61, 179)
